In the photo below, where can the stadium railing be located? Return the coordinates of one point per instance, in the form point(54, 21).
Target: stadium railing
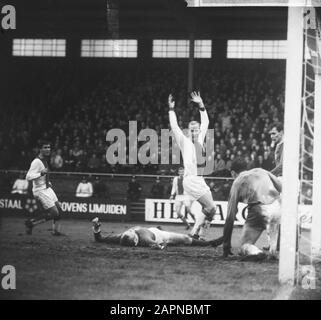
point(65, 183)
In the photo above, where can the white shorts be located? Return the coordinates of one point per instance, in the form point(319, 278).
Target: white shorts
point(272, 211)
point(46, 197)
point(195, 187)
point(162, 237)
point(183, 199)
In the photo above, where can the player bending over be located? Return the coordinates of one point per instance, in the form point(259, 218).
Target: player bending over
point(147, 237)
point(181, 198)
point(42, 191)
point(194, 184)
point(261, 190)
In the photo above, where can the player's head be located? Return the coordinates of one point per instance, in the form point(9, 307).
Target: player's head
point(129, 238)
point(276, 132)
point(181, 171)
point(194, 129)
point(44, 148)
point(238, 165)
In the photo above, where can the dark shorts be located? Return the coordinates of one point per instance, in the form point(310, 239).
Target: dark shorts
point(255, 218)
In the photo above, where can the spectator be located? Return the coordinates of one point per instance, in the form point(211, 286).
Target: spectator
point(70, 162)
point(94, 163)
point(57, 161)
point(23, 160)
point(21, 185)
point(103, 164)
point(157, 191)
point(229, 162)
point(260, 161)
point(222, 147)
point(76, 151)
point(217, 192)
point(134, 190)
point(84, 189)
point(82, 161)
point(226, 187)
point(252, 162)
point(243, 106)
point(219, 164)
point(226, 120)
point(100, 189)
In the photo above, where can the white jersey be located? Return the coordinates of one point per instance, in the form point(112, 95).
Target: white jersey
point(84, 190)
point(186, 145)
point(164, 237)
point(34, 175)
point(20, 186)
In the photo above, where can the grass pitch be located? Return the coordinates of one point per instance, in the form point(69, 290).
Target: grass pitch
point(75, 267)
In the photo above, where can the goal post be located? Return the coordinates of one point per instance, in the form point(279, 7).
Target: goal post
point(316, 206)
point(291, 150)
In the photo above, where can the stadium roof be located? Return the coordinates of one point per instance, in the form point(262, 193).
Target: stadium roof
point(147, 18)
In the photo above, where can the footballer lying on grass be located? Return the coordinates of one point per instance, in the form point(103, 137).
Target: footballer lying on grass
point(147, 237)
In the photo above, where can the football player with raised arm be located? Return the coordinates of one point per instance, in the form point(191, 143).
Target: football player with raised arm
point(191, 145)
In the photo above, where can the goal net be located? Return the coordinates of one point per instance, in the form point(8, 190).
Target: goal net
point(301, 198)
point(309, 222)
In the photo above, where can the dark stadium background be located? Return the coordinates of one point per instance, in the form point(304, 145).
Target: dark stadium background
point(65, 99)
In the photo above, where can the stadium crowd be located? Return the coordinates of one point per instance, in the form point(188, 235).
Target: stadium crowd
point(242, 103)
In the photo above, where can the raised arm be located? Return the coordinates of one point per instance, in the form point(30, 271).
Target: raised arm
point(35, 171)
point(196, 97)
point(178, 134)
point(108, 238)
point(230, 218)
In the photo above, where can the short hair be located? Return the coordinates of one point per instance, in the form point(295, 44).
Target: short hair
point(43, 142)
point(277, 125)
point(238, 165)
point(193, 122)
